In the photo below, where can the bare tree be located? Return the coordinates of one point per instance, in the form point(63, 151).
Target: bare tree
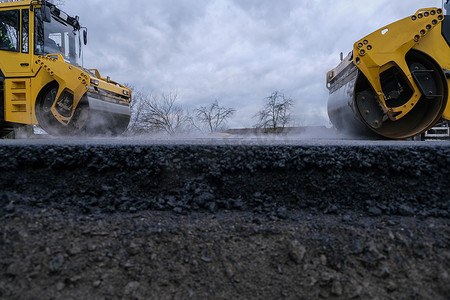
point(213, 116)
point(137, 109)
point(275, 114)
point(162, 113)
point(156, 113)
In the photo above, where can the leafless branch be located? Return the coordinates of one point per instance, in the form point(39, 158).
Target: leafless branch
point(275, 113)
point(162, 113)
point(214, 116)
point(156, 113)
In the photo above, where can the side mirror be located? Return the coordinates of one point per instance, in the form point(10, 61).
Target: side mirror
point(85, 39)
point(46, 15)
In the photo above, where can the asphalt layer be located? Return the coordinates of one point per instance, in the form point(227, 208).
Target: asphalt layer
point(224, 218)
point(389, 178)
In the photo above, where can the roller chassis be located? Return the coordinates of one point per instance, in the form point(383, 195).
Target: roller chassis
point(51, 89)
point(395, 82)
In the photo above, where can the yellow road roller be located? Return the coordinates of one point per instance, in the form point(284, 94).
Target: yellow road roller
point(42, 80)
point(395, 81)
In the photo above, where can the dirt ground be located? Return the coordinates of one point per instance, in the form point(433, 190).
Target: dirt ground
point(50, 254)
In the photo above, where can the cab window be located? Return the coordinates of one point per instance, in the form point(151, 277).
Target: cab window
point(9, 30)
point(25, 27)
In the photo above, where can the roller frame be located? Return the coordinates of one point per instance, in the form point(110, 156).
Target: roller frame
point(69, 78)
point(387, 47)
point(382, 50)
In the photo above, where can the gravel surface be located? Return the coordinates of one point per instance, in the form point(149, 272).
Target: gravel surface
point(224, 219)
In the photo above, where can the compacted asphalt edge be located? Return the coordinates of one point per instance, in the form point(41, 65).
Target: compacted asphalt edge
point(224, 219)
point(385, 179)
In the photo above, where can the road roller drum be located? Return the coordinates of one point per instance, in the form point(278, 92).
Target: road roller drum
point(395, 81)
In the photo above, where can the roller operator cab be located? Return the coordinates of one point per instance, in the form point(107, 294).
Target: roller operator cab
point(42, 80)
point(395, 82)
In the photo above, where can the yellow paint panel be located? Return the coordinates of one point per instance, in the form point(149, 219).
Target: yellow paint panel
point(18, 100)
point(19, 108)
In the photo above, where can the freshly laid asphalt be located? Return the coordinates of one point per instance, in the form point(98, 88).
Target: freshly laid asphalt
point(266, 176)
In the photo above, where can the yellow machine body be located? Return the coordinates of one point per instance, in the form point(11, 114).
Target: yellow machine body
point(41, 78)
point(396, 80)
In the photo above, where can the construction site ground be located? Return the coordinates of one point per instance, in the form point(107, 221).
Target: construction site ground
point(224, 219)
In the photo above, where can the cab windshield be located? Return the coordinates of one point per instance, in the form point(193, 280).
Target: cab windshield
point(57, 36)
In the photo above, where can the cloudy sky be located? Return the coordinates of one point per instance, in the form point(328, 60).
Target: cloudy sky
point(236, 51)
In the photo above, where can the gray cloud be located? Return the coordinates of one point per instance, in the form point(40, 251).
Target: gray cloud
point(237, 51)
